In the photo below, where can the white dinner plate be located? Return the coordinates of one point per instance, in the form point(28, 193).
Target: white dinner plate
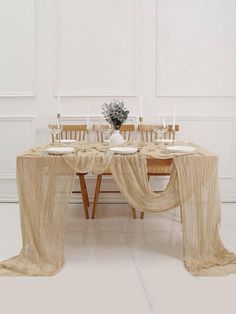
point(60, 150)
point(66, 141)
point(181, 149)
point(124, 150)
point(165, 141)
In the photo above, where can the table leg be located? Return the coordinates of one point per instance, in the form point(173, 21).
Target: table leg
point(84, 194)
point(96, 194)
point(134, 212)
point(142, 215)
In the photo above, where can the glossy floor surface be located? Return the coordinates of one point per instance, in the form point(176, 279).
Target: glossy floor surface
point(117, 265)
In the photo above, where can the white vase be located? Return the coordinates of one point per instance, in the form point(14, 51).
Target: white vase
point(116, 139)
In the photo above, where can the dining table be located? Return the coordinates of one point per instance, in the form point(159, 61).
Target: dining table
point(45, 182)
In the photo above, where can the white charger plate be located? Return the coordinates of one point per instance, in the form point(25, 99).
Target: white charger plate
point(60, 150)
point(181, 149)
point(66, 141)
point(124, 150)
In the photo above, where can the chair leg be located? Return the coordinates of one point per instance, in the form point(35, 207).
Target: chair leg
point(142, 215)
point(84, 193)
point(85, 190)
point(181, 216)
point(134, 212)
point(96, 194)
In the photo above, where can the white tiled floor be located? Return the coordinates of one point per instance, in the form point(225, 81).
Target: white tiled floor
point(115, 264)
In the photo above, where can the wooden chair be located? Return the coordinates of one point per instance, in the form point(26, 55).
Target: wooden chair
point(126, 131)
point(73, 132)
point(99, 134)
point(77, 132)
point(148, 135)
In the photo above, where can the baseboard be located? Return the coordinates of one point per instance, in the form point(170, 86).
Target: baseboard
point(9, 199)
point(228, 200)
point(102, 200)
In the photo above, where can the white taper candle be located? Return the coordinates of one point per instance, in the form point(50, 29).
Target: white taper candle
point(140, 105)
point(58, 104)
point(173, 127)
point(88, 114)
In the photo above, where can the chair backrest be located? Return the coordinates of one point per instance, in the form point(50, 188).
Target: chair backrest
point(125, 130)
point(99, 134)
point(72, 132)
point(148, 134)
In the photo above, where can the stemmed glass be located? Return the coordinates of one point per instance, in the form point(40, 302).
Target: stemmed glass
point(160, 126)
point(56, 131)
point(105, 129)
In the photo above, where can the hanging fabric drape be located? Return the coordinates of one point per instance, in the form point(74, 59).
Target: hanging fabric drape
point(45, 184)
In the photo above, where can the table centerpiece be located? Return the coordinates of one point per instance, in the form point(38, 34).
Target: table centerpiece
point(115, 114)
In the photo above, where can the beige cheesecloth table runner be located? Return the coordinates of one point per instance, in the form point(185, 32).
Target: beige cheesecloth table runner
point(45, 184)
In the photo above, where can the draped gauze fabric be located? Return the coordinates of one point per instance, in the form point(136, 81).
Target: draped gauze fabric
point(45, 184)
point(194, 187)
point(44, 188)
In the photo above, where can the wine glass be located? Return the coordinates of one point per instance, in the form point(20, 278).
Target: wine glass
point(56, 131)
point(160, 127)
point(105, 129)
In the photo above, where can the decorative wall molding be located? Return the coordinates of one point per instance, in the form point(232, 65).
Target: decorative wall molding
point(16, 118)
point(232, 121)
point(104, 93)
point(16, 94)
point(7, 176)
point(92, 118)
point(9, 199)
point(133, 93)
point(159, 57)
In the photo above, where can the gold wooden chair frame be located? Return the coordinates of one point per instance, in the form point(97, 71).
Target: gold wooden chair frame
point(77, 132)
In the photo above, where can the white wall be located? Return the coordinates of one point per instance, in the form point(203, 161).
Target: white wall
point(178, 52)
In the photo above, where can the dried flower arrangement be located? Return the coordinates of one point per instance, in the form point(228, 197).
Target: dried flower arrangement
point(115, 113)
